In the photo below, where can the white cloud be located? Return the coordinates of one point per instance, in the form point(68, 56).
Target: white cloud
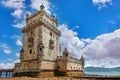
point(17, 54)
point(103, 51)
point(18, 40)
point(76, 27)
point(8, 65)
point(17, 5)
point(6, 48)
point(19, 9)
point(36, 4)
point(70, 41)
point(102, 3)
point(16, 37)
point(17, 13)
point(16, 61)
point(19, 25)
point(7, 51)
point(13, 3)
point(9, 59)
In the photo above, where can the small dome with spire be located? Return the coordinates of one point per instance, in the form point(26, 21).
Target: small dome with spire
point(82, 59)
point(65, 53)
point(42, 7)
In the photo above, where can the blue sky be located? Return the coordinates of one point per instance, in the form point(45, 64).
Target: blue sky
point(89, 27)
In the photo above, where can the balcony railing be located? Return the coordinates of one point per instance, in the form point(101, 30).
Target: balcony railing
point(44, 22)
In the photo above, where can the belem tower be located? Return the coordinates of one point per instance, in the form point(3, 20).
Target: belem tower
point(40, 54)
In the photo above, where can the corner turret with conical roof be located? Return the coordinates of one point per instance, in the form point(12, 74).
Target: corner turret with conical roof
point(42, 7)
point(82, 61)
point(65, 53)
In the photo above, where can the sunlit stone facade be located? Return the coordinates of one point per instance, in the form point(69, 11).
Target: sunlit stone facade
point(40, 54)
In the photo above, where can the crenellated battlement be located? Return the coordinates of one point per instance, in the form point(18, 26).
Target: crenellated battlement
point(38, 22)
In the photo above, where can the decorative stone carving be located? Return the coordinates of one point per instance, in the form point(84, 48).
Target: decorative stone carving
point(21, 54)
point(40, 48)
point(41, 38)
point(65, 53)
point(51, 44)
point(31, 39)
point(61, 64)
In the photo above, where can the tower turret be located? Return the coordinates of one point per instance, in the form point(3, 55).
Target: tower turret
point(82, 61)
point(65, 53)
point(21, 54)
point(42, 7)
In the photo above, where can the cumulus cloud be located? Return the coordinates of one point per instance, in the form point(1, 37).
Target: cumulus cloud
point(18, 40)
point(17, 54)
point(17, 5)
point(16, 37)
point(19, 25)
point(102, 3)
point(7, 51)
point(70, 41)
point(5, 48)
point(36, 4)
point(8, 65)
point(19, 9)
point(103, 51)
point(17, 13)
point(9, 59)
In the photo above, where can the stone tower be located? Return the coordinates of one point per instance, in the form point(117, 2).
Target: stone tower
point(40, 54)
point(40, 43)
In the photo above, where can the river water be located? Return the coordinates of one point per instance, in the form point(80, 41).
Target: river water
point(112, 73)
point(3, 74)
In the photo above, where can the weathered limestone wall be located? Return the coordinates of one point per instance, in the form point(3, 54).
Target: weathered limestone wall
point(47, 65)
point(50, 54)
point(74, 66)
point(46, 74)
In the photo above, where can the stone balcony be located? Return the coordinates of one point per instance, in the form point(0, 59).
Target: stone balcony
point(38, 22)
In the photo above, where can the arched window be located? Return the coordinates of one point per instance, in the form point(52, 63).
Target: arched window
point(30, 51)
point(40, 49)
point(50, 34)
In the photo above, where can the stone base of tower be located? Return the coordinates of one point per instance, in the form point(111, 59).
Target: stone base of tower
point(46, 74)
point(74, 73)
point(29, 74)
point(35, 74)
point(49, 74)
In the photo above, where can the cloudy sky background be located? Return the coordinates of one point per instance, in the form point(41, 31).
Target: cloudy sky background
point(88, 27)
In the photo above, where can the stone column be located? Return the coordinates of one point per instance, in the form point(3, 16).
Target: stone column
point(0, 74)
point(9, 74)
point(6, 75)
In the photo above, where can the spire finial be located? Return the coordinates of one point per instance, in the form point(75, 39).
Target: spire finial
point(65, 53)
point(42, 7)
